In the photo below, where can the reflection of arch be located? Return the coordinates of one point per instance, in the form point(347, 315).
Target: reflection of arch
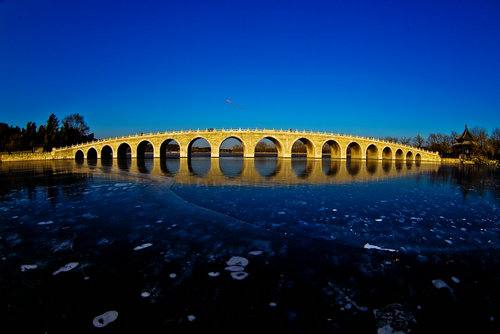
point(92, 154)
point(371, 166)
point(302, 167)
point(231, 146)
point(418, 159)
point(145, 149)
point(353, 151)
point(330, 167)
point(399, 154)
point(409, 164)
point(170, 148)
point(409, 156)
point(332, 149)
point(387, 153)
point(124, 151)
point(199, 166)
point(267, 167)
point(262, 148)
point(106, 152)
point(386, 165)
point(372, 152)
point(301, 147)
point(199, 146)
point(353, 166)
point(79, 156)
point(170, 167)
point(124, 163)
point(231, 167)
point(398, 164)
point(145, 165)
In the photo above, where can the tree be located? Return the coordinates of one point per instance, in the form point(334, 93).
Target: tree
point(418, 141)
point(482, 146)
point(440, 142)
point(30, 136)
point(74, 130)
point(405, 140)
point(51, 133)
point(495, 142)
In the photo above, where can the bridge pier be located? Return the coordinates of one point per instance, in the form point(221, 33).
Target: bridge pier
point(214, 152)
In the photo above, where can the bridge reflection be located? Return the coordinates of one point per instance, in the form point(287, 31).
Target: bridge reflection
point(264, 170)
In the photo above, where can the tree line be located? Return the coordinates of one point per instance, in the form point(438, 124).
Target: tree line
point(486, 145)
point(71, 130)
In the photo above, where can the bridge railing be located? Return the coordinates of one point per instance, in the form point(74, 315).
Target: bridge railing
point(158, 133)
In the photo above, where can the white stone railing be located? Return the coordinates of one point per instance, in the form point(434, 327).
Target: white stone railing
point(256, 130)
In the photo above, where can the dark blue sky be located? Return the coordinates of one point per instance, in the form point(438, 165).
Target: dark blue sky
point(366, 67)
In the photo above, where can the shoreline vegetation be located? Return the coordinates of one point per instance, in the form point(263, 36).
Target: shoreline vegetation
point(36, 143)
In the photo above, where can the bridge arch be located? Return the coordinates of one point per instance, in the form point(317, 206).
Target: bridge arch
point(387, 153)
point(92, 154)
point(79, 155)
point(232, 146)
point(199, 146)
point(145, 149)
point(418, 158)
point(399, 154)
point(170, 148)
point(331, 148)
point(372, 152)
point(409, 156)
point(301, 147)
point(262, 147)
point(106, 152)
point(124, 151)
point(353, 151)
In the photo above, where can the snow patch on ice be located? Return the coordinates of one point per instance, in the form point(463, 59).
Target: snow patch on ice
point(146, 245)
point(105, 319)
point(26, 267)
point(239, 275)
point(369, 246)
point(65, 268)
point(48, 222)
point(255, 253)
point(237, 261)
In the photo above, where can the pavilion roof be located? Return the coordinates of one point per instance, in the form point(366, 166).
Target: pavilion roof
point(465, 138)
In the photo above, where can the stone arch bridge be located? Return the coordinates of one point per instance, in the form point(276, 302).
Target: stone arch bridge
point(317, 144)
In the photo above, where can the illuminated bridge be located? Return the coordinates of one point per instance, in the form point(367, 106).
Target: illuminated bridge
point(314, 145)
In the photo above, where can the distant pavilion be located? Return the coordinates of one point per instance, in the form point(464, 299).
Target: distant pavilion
point(463, 144)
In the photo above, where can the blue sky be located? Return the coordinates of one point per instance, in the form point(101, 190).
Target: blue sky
point(381, 68)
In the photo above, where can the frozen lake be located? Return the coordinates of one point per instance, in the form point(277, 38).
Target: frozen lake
point(242, 245)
